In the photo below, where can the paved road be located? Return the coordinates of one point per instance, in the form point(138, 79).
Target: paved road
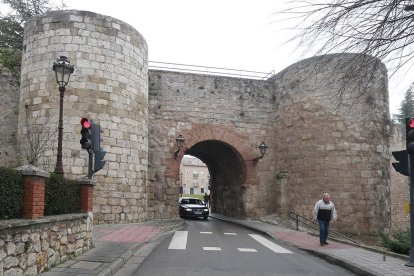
point(215, 247)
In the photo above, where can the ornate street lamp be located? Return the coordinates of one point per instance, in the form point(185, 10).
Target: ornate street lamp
point(62, 69)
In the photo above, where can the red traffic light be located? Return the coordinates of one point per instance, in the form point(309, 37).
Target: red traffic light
point(411, 123)
point(85, 123)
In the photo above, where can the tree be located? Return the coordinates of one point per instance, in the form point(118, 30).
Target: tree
point(38, 139)
point(12, 28)
point(407, 106)
point(383, 29)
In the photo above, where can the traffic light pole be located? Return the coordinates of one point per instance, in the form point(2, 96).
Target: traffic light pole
point(90, 164)
point(411, 169)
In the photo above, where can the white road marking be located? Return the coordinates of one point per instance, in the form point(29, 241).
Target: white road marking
point(272, 246)
point(212, 248)
point(231, 234)
point(210, 233)
point(179, 241)
point(247, 249)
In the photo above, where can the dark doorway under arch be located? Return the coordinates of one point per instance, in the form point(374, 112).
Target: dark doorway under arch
point(227, 176)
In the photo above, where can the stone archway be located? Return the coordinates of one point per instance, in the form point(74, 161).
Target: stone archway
point(230, 159)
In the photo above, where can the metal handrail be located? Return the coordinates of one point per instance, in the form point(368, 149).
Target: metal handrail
point(310, 223)
point(209, 70)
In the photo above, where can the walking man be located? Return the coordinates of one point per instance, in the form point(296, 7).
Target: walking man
point(206, 199)
point(324, 211)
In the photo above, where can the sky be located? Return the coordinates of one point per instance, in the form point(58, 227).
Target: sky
point(235, 34)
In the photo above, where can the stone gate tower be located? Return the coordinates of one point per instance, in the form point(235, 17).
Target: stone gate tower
point(109, 85)
point(320, 139)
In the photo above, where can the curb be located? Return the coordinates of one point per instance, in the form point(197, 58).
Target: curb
point(119, 263)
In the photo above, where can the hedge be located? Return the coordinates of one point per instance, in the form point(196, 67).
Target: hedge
point(11, 193)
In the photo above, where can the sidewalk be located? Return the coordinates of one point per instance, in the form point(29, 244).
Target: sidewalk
point(114, 245)
point(352, 257)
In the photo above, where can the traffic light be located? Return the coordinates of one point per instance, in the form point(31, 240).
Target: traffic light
point(86, 132)
point(402, 165)
point(97, 150)
point(409, 127)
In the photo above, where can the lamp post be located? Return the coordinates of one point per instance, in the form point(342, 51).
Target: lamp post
point(62, 69)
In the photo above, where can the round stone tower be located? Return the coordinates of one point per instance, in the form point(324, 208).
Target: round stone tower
point(109, 86)
point(332, 128)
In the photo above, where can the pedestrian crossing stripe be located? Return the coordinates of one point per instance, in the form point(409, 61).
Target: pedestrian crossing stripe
point(211, 248)
point(179, 240)
point(272, 246)
point(247, 249)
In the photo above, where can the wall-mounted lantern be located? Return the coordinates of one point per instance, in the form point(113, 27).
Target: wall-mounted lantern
point(180, 142)
point(262, 148)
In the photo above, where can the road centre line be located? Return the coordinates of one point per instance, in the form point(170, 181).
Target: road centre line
point(247, 249)
point(231, 234)
point(272, 246)
point(211, 248)
point(209, 233)
point(179, 240)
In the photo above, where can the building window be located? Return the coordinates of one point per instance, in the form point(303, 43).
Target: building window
point(202, 190)
point(191, 191)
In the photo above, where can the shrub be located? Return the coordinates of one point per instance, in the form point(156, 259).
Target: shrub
point(398, 242)
point(62, 196)
point(11, 193)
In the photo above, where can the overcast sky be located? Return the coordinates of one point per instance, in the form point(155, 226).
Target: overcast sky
point(236, 34)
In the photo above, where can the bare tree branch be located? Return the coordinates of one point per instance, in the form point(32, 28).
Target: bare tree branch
point(382, 29)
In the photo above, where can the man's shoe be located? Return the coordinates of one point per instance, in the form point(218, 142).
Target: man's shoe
point(322, 244)
point(326, 243)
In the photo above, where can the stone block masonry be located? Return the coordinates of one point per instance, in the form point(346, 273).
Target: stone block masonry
point(315, 144)
point(9, 102)
point(109, 86)
point(28, 247)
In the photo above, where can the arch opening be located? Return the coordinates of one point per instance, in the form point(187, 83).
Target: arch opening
point(227, 176)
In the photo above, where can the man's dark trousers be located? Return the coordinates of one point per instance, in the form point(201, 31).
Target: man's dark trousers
point(323, 230)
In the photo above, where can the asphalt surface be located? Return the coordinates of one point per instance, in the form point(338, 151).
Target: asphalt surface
point(122, 249)
point(217, 247)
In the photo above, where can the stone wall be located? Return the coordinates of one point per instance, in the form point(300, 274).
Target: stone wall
point(332, 137)
point(315, 144)
point(109, 86)
point(223, 121)
point(28, 247)
point(9, 100)
point(400, 190)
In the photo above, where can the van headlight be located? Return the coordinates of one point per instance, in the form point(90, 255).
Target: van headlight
point(205, 210)
point(189, 209)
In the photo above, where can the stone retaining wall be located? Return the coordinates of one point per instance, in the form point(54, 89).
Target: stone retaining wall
point(28, 247)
